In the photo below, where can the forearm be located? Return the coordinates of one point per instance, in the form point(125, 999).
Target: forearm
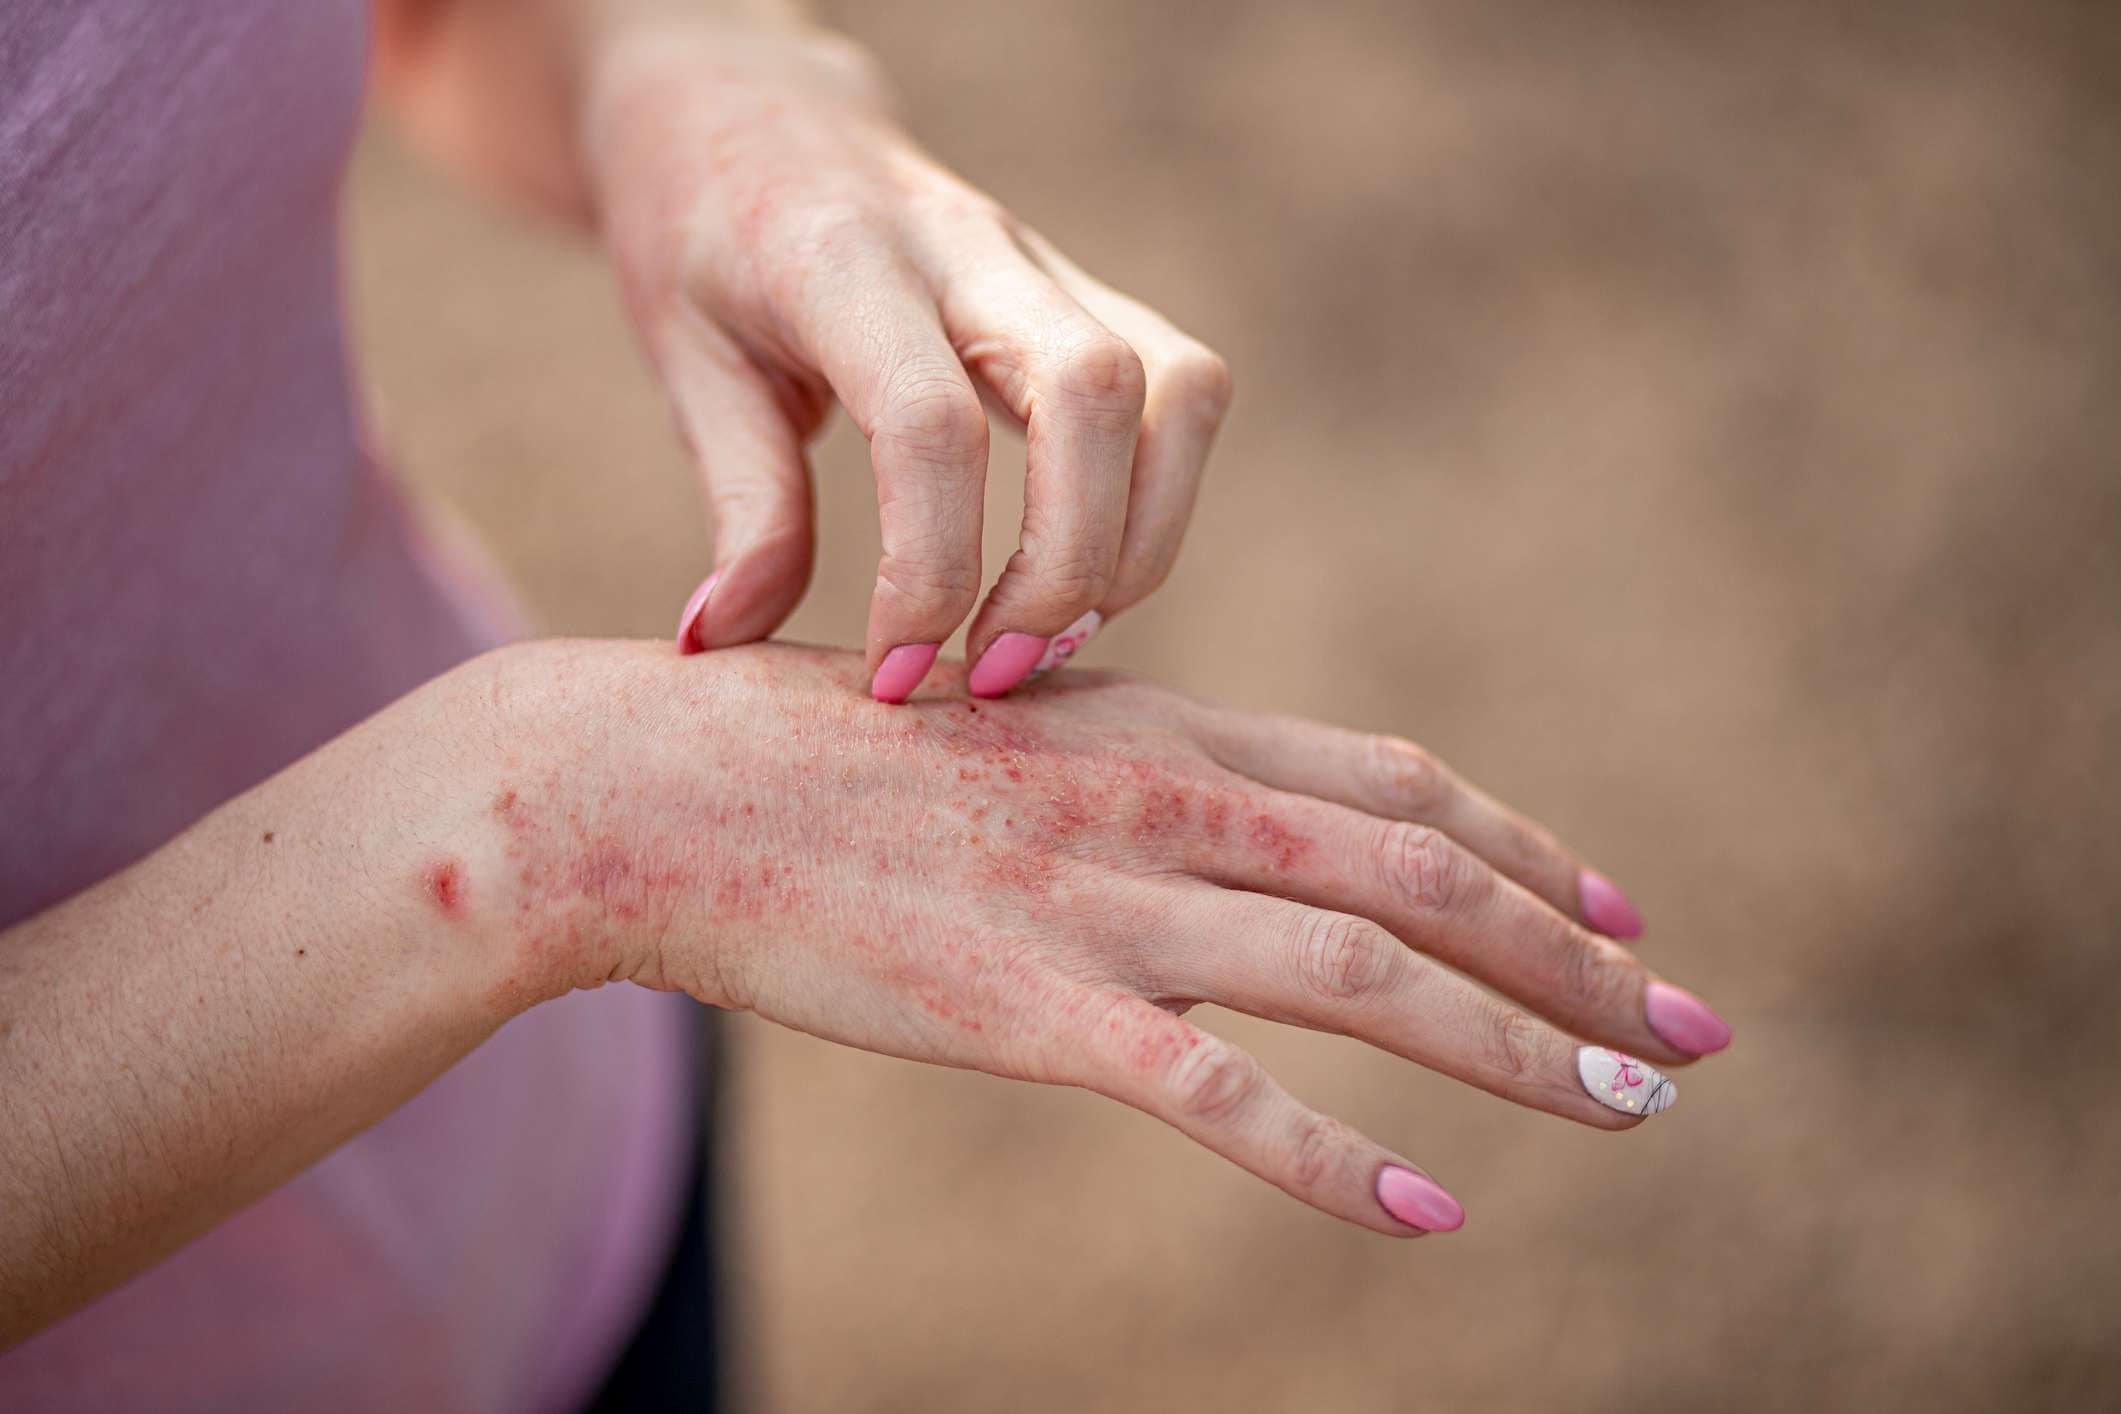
point(185, 1036)
point(497, 87)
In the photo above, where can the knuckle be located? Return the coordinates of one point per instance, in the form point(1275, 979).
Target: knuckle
point(1343, 959)
point(1413, 781)
point(1428, 869)
point(807, 238)
point(1320, 1142)
point(1200, 379)
point(936, 418)
point(851, 61)
point(938, 580)
point(1143, 567)
point(1101, 370)
point(1214, 1081)
point(1142, 573)
point(1512, 1045)
point(752, 501)
point(953, 206)
point(1592, 972)
point(1064, 580)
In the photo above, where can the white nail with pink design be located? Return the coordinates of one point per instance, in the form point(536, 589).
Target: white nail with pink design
point(1065, 643)
point(1620, 1082)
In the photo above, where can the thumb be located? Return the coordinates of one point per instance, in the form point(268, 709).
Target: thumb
point(757, 480)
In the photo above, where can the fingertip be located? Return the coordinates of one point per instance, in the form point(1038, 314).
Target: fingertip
point(695, 609)
point(902, 670)
point(1605, 907)
point(1684, 1021)
point(1065, 644)
point(748, 596)
point(1418, 1200)
point(1007, 662)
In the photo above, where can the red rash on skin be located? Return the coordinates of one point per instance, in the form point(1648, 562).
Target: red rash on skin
point(1282, 846)
point(446, 885)
point(596, 872)
point(1160, 1043)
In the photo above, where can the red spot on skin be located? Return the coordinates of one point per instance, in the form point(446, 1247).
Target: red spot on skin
point(446, 885)
point(1161, 1043)
point(1024, 870)
point(1282, 846)
point(1070, 812)
point(1162, 810)
point(1216, 816)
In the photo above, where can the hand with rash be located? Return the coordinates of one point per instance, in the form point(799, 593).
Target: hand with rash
point(1040, 887)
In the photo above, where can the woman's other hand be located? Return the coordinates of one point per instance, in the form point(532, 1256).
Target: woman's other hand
point(782, 244)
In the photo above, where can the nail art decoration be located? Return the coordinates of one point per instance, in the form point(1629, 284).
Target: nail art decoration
point(1065, 643)
point(1620, 1082)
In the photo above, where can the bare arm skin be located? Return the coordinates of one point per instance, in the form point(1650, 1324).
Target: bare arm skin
point(188, 1034)
point(1034, 888)
point(783, 244)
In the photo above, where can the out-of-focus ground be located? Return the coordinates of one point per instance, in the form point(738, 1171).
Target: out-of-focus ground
point(1702, 424)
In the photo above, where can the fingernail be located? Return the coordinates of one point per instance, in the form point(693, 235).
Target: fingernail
point(1683, 1020)
point(1605, 907)
point(1066, 642)
point(689, 621)
point(1005, 663)
point(1418, 1201)
point(1620, 1082)
point(902, 670)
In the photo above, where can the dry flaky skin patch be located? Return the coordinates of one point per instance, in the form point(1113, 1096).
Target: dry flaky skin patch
point(980, 875)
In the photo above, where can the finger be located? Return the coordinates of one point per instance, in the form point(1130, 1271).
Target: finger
point(1188, 395)
point(1439, 897)
point(874, 333)
point(1335, 972)
point(1397, 780)
point(1218, 1095)
point(1078, 389)
point(751, 464)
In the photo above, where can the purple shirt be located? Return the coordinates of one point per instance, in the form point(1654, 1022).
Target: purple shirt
point(202, 576)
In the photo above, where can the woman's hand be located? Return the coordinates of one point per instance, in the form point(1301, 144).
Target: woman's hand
point(1038, 887)
point(782, 243)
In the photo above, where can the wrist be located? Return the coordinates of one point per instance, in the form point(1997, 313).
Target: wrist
point(583, 825)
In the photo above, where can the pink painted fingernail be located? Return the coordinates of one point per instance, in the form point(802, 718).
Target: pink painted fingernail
point(1418, 1201)
point(1007, 661)
point(1067, 641)
point(1683, 1020)
point(1605, 907)
point(902, 670)
point(689, 621)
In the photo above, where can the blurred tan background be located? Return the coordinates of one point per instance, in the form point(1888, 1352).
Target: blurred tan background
point(1702, 424)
